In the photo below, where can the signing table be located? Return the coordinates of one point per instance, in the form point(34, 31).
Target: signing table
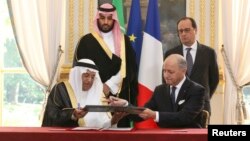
point(65, 134)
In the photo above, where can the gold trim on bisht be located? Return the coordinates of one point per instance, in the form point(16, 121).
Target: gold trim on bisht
point(73, 100)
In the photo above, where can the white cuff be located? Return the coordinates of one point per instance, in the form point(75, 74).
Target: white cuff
point(126, 104)
point(156, 116)
point(114, 83)
point(112, 86)
point(73, 117)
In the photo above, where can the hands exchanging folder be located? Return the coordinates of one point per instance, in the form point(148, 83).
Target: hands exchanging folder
point(145, 113)
point(119, 107)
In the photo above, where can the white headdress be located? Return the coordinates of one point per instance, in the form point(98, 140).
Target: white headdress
point(93, 96)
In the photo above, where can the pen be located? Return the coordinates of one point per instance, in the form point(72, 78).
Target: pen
point(78, 106)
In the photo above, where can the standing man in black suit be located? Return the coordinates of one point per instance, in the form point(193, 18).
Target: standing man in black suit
point(177, 103)
point(201, 59)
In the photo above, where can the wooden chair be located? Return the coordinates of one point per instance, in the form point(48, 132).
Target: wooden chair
point(205, 118)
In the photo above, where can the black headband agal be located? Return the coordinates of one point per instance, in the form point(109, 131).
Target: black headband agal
point(87, 65)
point(107, 9)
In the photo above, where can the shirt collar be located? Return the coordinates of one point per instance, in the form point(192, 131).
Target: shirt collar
point(178, 86)
point(108, 34)
point(193, 46)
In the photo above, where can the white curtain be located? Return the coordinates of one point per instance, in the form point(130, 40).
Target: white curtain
point(236, 39)
point(37, 29)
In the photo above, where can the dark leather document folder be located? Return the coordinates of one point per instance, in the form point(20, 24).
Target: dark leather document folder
point(101, 108)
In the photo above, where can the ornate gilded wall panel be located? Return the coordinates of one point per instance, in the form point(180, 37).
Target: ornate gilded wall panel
point(79, 21)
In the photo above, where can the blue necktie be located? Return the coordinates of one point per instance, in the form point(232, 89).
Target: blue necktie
point(189, 61)
point(172, 95)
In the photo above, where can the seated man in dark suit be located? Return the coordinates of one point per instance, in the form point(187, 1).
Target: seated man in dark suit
point(176, 104)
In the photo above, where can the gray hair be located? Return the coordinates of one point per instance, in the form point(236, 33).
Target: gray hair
point(180, 60)
point(182, 63)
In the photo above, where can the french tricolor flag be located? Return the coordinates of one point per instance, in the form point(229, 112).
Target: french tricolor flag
point(150, 70)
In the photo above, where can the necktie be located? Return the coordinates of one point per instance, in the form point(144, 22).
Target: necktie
point(189, 61)
point(172, 95)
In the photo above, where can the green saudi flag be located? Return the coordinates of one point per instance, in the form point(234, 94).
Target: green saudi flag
point(119, 8)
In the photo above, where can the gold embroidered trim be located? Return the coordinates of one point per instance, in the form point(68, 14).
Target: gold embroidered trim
point(73, 100)
point(103, 44)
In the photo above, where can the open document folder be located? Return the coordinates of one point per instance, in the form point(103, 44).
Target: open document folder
point(104, 129)
point(106, 108)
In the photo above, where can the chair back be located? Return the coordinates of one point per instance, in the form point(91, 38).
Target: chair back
point(205, 118)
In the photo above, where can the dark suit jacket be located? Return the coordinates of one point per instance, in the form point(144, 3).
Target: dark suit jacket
point(189, 104)
point(205, 70)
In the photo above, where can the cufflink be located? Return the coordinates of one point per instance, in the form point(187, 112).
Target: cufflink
point(181, 102)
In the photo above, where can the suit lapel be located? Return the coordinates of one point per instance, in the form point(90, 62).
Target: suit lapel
point(182, 93)
point(198, 58)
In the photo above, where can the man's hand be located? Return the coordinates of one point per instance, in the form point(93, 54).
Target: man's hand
point(106, 89)
point(115, 101)
point(117, 116)
point(147, 114)
point(79, 113)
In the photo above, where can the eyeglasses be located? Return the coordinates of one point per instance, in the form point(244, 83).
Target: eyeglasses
point(186, 30)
